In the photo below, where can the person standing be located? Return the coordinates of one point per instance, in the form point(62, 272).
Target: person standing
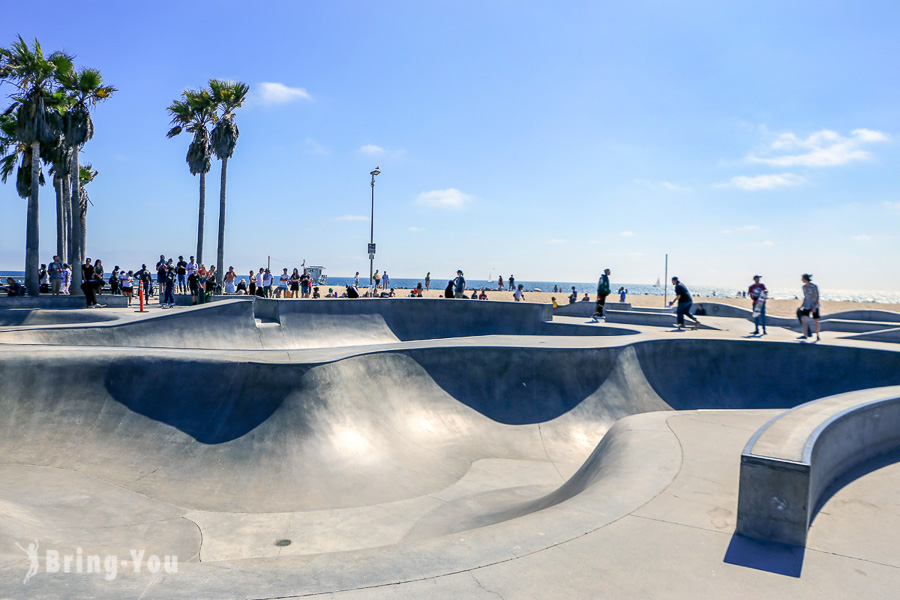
point(268, 279)
point(169, 283)
point(499, 283)
point(512, 283)
point(622, 293)
point(427, 280)
point(377, 278)
point(459, 285)
point(305, 284)
point(810, 306)
point(385, 281)
point(573, 297)
point(295, 284)
point(356, 281)
point(685, 302)
point(758, 294)
point(229, 280)
point(55, 270)
point(181, 272)
point(602, 293)
point(126, 282)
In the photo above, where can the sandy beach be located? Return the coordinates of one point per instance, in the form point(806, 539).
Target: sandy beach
point(778, 308)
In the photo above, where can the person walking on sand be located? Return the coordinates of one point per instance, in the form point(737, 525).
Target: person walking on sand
point(685, 302)
point(427, 280)
point(810, 306)
point(758, 294)
point(602, 293)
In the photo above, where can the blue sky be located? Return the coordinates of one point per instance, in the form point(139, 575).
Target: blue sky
point(547, 140)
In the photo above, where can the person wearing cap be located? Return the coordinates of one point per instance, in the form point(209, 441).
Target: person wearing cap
point(685, 302)
point(810, 306)
point(459, 285)
point(758, 294)
point(602, 293)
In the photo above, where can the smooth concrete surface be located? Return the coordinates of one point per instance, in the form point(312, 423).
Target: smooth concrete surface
point(490, 459)
point(586, 309)
point(61, 302)
point(790, 462)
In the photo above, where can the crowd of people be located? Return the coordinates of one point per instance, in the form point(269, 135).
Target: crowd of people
point(187, 276)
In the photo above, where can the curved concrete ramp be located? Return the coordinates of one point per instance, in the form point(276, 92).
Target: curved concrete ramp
point(438, 438)
point(15, 317)
point(254, 324)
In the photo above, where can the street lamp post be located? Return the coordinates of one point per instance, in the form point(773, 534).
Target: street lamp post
point(372, 232)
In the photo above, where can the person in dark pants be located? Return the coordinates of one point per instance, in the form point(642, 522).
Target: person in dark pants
point(684, 301)
point(90, 287)
point(602, 293)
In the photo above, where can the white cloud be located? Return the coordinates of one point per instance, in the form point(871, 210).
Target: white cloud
point(821, 149)
point(417, 229)
point(662, 185)
point(352, 218)
point(861, 238)
point(556, 241)
point(626, 233)
point(278, 93)
point(372, 150)
point(315, 148)
point(450, 198)
point(766, 182)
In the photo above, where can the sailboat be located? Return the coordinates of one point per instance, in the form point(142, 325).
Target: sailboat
point(657, 282)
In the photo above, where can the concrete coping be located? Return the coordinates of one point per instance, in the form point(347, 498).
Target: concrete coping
point(789, 463)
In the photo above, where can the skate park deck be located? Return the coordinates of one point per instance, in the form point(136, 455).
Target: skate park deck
point(437, 453)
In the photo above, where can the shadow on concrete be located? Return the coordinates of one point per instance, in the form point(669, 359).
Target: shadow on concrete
point(860, 470)
point(772, 557)
point(209, 402)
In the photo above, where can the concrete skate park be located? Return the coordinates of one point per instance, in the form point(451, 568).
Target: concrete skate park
point(418, 448)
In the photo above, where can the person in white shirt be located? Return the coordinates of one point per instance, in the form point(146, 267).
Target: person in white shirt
point(260, 288)
point(283, 280)
point(267, 283)
point(126, 281)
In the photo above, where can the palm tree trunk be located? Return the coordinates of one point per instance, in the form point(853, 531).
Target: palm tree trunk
point(82, 221)
point(202, 218)
point(32, 230)
point(60, 220)
point(77, 252)
point(67, 207)
point(220, 252)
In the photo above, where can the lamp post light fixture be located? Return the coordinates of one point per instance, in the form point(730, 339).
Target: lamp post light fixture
point(372, 232)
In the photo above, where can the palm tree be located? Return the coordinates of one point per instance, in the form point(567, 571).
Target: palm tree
point(84, 90)
point(59, 158)
point(228, 97)
point(35, 108)
point(193, 114)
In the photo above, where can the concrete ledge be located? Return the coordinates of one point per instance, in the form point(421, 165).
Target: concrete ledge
point(59, 302)
point(885, 335)
point(855, 326)
point(586, 309)
point(641, 317)
point(789, 463)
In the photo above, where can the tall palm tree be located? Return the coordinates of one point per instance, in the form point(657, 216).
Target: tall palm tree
point(84, 89)
point(59, 159)
point(35, 106)
point(193, 114)
point(228, 97)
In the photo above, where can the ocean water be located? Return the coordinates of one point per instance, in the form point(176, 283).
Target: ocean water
point(565, 288)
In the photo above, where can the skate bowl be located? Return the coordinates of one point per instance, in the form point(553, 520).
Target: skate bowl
point(368, 467)
point(28, 316)
point(258, 323)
